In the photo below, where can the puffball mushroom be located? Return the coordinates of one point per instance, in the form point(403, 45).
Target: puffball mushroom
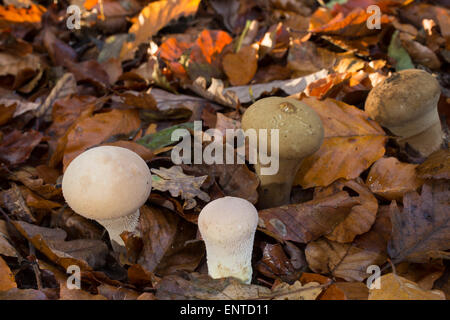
point(108, 184)
point(406, 104)
point(228, 226)
point(300, 135)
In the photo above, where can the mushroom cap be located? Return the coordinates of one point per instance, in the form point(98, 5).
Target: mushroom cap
point(228, 220)
point(106, 182)
point(300, 128)
point(405, 96)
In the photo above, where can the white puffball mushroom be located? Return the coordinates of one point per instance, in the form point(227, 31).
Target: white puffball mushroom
point(228, 227)
point(108, 184)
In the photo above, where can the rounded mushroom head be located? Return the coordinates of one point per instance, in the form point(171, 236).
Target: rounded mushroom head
point(228, 220)
point(106, 182)
point(300, 128)
point(407, 97)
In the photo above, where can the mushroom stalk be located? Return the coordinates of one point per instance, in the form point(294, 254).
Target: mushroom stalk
point(428, 140)
point(225, 260)
point(117, 226)
point(275, 190)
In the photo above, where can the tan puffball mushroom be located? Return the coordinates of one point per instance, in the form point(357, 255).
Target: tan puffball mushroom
point(300, 135)
point(108, 184)
point(406, 104)
point(228, 226)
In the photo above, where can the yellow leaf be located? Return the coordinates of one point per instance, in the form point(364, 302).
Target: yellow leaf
point(154, 17)
point(394, 287)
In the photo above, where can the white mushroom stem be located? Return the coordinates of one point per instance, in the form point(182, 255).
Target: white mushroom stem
point(275, 190)
point(117, 226)
point(234, 261)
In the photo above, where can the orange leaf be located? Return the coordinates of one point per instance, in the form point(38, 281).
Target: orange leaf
point(391, 178)
point(354, 25)
point(154, 17)
point(11, 14)
point(241, 67)
point(352, 143)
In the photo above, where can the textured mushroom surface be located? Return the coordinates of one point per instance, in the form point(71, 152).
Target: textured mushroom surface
point(228, 227)
point(106, 183)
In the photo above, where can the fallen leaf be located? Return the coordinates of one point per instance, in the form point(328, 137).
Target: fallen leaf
point(13, 200)
point(152, 18)
point(163, 138)
point(65, 86)
point(306, 221)
point(297, 291)
point(241, 67)
point(275, 264)
point(394, 287)
point(352, 143)
point(97, 129)
point(437, 166)
point(195, 286)
point(361, 217)
point(168, 245)
point(16, 146)
point(235, 180)
point(215, 92)
point(85, 253)
point(422, 231)
point(391, 178)
point(353, 25)
point(341, 260)
point(7, 280)
point(424, 275)
point(179, 184)
point(399, 54)
point(22, 294)
point(250, 93)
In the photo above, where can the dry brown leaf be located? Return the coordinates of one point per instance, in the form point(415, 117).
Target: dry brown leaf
point(252, 92)
point(424, 274)
point(422, 231)
point(437, 166)
point(167, 242)
point(394, 287)
point(92, 131)
point(241, 67)
point(196, 286)
point(179, 184)
point(306, 221)
point(85, 253)
point(65, 86)
point(391, 178)
point(7, 280)
point(352, 143)
point(361, 217)
point(342, 260)
point(16, 146)
point(152, 18)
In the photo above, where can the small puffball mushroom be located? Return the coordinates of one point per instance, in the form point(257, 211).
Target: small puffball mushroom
point(300, 135)
point(108, 184)
point(228, 226)
point(406, 104)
